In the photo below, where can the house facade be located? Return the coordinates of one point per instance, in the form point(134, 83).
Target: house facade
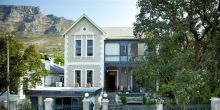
point(101, 57)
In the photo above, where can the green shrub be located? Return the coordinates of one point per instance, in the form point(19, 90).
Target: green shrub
point(150, 101)
point(123, 100)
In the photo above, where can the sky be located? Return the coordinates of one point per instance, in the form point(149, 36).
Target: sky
point(105, 13)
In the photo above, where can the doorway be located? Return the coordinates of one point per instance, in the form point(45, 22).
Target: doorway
point(111, 81)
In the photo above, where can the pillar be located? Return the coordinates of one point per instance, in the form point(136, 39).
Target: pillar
point(126, 72)
point(12, 104)
point(40, 102)
point(215, 103)
point(105, 102)
point(119, 76)
point(86, 102)
point(48, 103)
point(159, 106)
point(5, 104)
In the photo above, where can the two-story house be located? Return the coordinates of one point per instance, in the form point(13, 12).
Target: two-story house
point(101, 57)
point(96, 59)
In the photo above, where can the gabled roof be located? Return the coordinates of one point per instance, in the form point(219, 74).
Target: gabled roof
point(79, 19)
point(119, 32)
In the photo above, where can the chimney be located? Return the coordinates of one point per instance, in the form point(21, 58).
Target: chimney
point(47, 64)
point(51, 61)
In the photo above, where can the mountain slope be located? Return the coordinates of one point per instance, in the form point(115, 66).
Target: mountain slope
point(28, 20)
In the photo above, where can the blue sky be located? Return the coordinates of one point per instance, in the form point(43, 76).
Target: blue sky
point(105, 13)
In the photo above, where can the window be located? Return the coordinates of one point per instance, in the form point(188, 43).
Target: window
point(89, 47)
point(123, 50)
point(78, 77)
point(78, 48)
point(90, 77)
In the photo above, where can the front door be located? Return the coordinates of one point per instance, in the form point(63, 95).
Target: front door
point(111, 83)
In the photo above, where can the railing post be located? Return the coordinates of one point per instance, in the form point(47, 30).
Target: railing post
point(48, 103)
point(105, 102)
point(86, 102)
point(159, 106)
point(215, 103)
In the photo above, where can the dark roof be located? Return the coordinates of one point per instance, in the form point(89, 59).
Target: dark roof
point(55, 69)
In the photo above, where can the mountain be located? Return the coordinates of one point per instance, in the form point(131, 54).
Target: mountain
point(29, 20)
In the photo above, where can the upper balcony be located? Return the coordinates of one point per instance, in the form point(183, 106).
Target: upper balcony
point(124, 51)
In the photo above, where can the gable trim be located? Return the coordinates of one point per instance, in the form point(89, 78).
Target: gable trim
point(79, 19)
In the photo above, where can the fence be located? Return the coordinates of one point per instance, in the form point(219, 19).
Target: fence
point(67, 107)
point(132, 107)
point(30, 107)
point(188, 107)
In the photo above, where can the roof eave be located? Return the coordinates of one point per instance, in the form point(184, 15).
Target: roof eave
point(81, 17)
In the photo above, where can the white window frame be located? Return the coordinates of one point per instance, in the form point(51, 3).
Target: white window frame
point(75, 46)
point(92, 45)
point(74, 74)
point(92, 76)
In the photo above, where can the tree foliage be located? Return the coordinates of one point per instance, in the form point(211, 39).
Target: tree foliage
point(183, 39)
point(21, 61)
point(59, 59)
point(33, 62)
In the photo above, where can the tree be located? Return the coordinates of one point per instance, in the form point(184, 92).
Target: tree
point(33, 62)
point(20, 63)
point(59, 59)
point(17, 67)
point(183, 47)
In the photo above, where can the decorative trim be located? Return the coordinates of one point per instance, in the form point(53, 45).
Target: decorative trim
point(65, 61)
point(102, 49)
point(84, 63)
point(79, 19)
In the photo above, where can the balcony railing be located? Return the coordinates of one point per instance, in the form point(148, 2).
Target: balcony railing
point(120, 58)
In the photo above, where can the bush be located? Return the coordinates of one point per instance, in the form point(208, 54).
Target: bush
point(123, 100)
point(149, 101)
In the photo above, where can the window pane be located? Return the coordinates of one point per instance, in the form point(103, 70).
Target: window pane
point(141, 48)
point(112, 49)
point(133, 49)
point(89, 47)
point(123, 50)
point(89, 76)
point(78, 48)
point(78, 77)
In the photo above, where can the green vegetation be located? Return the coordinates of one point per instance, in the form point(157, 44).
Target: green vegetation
point(148, 101)
point(59, 59)
point(183, 49)
point(21, 60)
point(123, 100)
point(45, 44)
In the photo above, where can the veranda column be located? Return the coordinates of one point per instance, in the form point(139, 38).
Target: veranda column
point(215, 103)
point(126, 72)
point(119, 77)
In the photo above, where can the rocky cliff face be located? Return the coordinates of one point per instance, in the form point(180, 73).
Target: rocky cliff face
point(30, 20)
